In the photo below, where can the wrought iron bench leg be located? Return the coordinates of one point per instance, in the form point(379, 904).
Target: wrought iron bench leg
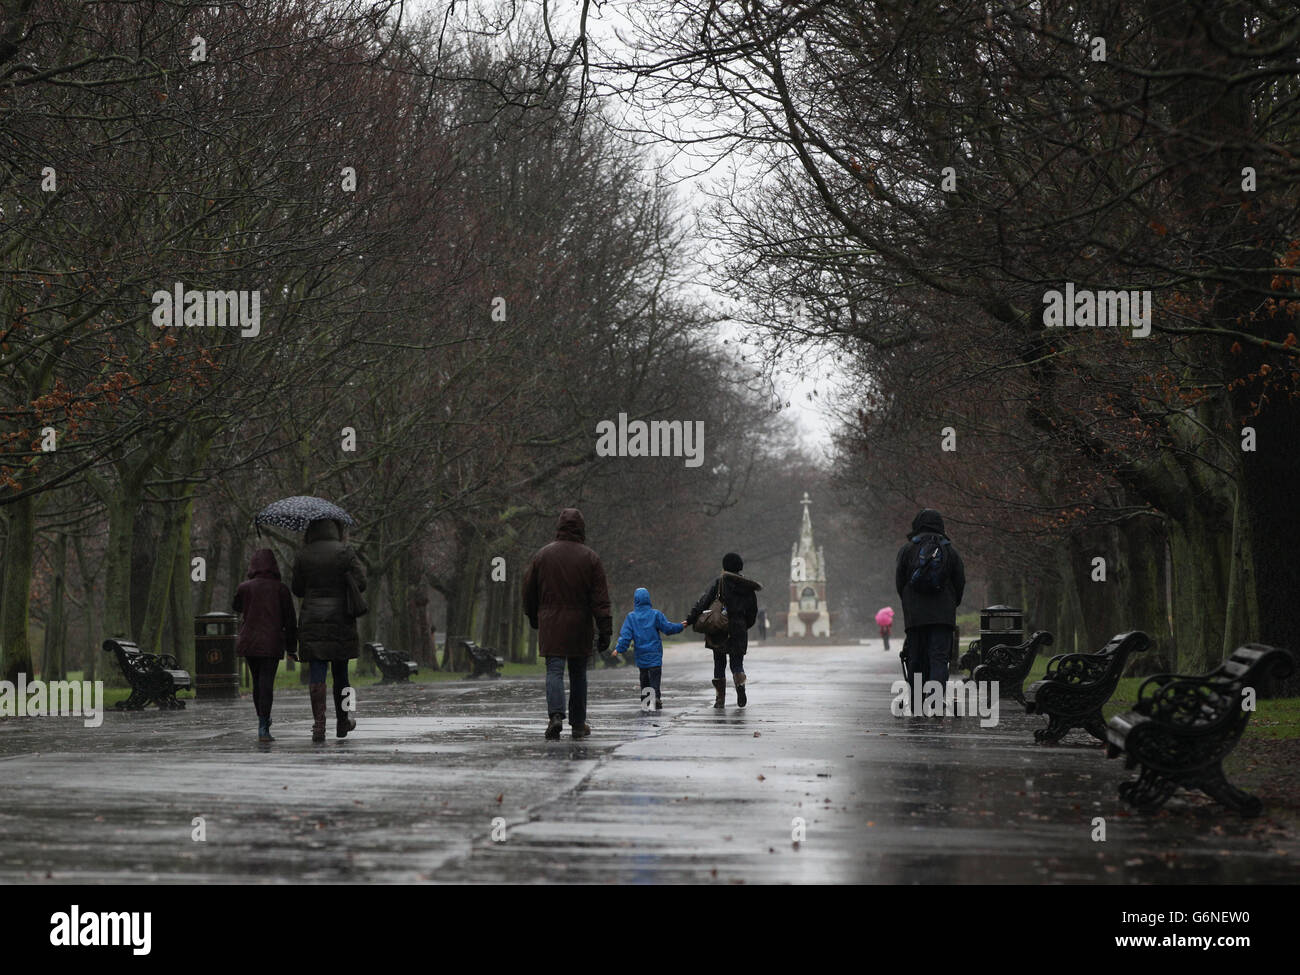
point(1148, 792)
point(135, 701)
point(1215, 784)
point(1055, 730)
point(1095, 725)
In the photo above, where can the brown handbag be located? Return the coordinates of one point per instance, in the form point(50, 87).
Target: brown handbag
point(714, 620)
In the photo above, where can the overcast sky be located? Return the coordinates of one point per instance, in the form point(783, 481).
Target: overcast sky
point(804, 383)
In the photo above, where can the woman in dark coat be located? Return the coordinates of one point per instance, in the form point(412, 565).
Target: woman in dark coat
point(267, 631)
point(327, 633)
point(738, 595)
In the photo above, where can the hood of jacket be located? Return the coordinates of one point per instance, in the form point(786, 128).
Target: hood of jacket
point(263, 565)
point(737, 578)
point(323, 529)
point(641, 598)
point(928, 522)
point(571, 527)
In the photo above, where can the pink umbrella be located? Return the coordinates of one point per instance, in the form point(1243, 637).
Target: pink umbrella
point(885, 617)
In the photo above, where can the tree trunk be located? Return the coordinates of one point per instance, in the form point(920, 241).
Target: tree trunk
point(1143, 587)
point(16, 593)
point(54, 664)
point(1201, 552)
point(123, 503)
point(158, 598)
point(207, 587)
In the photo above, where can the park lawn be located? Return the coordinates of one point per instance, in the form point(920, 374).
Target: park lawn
point(1277, 718)
point(289, 680)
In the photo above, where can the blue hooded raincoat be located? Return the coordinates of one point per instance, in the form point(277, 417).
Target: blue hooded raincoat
point(642, 628)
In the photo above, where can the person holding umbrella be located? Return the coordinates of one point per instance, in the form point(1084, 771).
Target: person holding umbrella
point(328, 578)
point(885, 620)
point(325, 574)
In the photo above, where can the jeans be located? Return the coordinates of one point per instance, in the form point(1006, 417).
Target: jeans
point(650, 677)
point(928, 650)
point(720, 664)
point(577, 688)
point(319, 668)
point(262, 671)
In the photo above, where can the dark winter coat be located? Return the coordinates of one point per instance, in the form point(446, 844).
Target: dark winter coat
point(566, 598)
point(924, 608)
point(325, 630)
point(268, 627)
point(739, 596)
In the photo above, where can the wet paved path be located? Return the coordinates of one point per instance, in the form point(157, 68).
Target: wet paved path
point(687, 794)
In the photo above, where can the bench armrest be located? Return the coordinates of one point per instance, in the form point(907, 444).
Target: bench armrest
point(1189, 701)
point(1076, 668)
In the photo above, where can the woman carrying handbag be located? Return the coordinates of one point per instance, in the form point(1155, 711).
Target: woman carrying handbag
point(724, 615)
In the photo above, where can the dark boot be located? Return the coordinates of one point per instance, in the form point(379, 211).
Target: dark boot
point(555, 727)
point(317, 692)
point(264, 729)
point(720, 688)
point(583, 732)
point(741, 699)
point(345, 721)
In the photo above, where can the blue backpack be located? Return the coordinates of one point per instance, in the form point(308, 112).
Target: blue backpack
point(931, 572)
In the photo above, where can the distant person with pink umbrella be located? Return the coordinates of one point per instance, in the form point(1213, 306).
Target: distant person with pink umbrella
point(885, 620)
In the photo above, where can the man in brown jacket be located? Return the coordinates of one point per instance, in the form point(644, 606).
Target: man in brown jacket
point(564, 592)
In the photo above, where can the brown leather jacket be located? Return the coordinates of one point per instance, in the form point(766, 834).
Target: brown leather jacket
point(565, 593)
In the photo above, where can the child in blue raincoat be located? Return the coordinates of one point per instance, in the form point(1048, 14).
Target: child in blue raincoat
point(641, 629)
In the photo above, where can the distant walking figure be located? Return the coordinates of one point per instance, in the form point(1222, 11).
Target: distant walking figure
point(267, 631)
point(885, 620)
point(327, 631)
point(738, 596)
point(930, 579)
point(566, 600)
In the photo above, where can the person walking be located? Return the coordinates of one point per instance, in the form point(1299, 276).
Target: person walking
point(641, 630)
point(738, 595)
point(325, 573)
point(885, 620)
point(930, 580)
point(566, 599)
point(267, 630)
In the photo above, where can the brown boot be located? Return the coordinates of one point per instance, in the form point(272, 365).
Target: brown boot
point(317, 692)
point(741, 699)
point(720, 688)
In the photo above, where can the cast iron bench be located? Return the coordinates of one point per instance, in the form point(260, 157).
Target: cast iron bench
point(154, 678)
point(484, 662)
point(396, 666)
point(1183, 727)
point(969, 660)
point(1076, 685)
point(1009, 666)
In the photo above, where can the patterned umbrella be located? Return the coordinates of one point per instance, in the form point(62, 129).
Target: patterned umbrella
point(296, 513)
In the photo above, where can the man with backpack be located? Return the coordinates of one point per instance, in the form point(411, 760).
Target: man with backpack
point(930, 579)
